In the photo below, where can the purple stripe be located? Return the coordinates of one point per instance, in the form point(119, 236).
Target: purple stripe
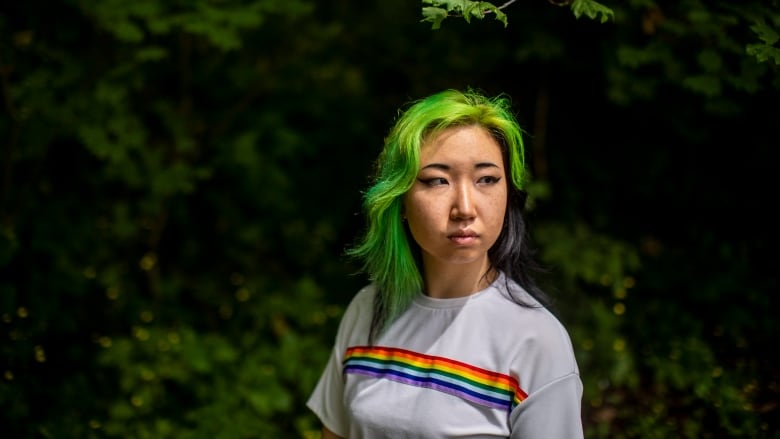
point(426, 384)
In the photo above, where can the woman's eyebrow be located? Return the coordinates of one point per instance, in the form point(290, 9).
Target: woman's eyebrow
point(446, 167)
point(440, 166)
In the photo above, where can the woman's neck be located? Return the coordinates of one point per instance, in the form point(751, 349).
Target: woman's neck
point(448, 281)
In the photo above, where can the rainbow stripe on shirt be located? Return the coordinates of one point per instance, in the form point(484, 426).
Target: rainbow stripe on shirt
point(480, 386)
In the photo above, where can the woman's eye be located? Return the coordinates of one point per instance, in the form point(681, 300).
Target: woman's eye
point(436, 181)
point(489, 179)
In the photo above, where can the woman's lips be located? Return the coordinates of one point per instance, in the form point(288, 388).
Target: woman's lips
point(463, 237)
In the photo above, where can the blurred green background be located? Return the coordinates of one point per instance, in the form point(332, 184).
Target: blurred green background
point(180, 179)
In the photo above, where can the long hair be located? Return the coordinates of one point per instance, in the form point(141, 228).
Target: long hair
point(389, 254)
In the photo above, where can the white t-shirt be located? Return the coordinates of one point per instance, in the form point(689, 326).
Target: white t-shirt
point(479, 366)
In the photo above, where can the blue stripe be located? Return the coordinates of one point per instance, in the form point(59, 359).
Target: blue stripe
point(428, 379)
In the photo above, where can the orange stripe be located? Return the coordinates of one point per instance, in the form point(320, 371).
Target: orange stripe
point(473, 373)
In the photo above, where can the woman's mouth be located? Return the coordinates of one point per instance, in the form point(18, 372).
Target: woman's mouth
point(463, 237)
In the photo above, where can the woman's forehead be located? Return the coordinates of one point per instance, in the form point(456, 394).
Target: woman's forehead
point(468, 142)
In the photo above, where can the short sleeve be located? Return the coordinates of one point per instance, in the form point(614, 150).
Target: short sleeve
point(327, 399)
point(551, 412)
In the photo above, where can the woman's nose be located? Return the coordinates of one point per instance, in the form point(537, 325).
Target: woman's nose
point(463, 203)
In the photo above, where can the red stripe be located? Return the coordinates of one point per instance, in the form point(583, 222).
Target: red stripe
point(487, 374)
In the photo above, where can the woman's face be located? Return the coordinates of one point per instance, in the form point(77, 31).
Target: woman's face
point(455, 209)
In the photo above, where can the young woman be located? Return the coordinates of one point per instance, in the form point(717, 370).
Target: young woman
point(452, 338)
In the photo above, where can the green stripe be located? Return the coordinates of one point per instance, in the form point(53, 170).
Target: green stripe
point(439, 371)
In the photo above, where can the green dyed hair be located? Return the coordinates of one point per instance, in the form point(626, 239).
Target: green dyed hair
point(386, 249)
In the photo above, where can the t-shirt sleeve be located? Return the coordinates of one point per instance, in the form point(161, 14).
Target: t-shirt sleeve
point(326, 401)
point(551, 412)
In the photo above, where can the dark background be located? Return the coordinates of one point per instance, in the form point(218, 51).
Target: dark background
point(180, 179)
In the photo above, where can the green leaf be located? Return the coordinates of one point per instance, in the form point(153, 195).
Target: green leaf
point(466, 9)
point(763, 53)
point(592, 9)
point(450, 5)
point(151, 53)
point(704, 84)
point(434, 15)
point(765, 33)
point(481, 9)
point(711, 61)
point(127, 31)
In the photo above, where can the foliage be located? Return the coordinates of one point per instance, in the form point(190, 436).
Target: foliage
point(592, 10)
point(123, 246)
point(179, 180)
point(468, 9)
point(465, 8)
point(769, 37)
point(722, 34)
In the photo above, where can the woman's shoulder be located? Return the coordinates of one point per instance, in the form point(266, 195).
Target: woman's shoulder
point(530, 321)
point(511, 291)
point(357, 315)
point(363, 298)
